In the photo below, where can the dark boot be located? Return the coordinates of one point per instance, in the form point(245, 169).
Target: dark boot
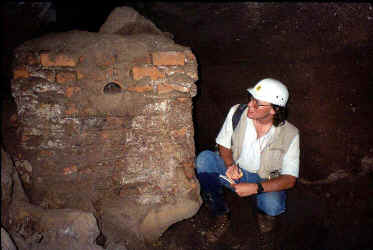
point(220, 226)
point(213, 196)
point(266, 225)
point(220, 211)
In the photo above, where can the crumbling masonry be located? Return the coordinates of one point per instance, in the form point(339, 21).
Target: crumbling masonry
point(106, 126)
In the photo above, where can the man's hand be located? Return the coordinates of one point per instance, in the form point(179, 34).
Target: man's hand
point(233, 172)
point(245, 188)
point(282, 182)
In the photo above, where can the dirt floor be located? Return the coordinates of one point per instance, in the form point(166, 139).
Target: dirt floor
point(330, 216)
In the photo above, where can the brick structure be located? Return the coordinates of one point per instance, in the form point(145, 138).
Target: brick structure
point(106, 117)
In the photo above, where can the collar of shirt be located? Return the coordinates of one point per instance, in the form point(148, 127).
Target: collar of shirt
point(252, 135)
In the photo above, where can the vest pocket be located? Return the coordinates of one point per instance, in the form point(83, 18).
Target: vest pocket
point(271, 161)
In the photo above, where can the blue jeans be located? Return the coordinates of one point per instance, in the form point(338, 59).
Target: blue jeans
point(210, 165)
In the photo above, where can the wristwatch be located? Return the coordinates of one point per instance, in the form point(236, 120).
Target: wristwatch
point(260, 188)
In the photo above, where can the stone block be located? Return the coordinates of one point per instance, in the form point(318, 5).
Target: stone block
point(167, 88)
point(164, 89)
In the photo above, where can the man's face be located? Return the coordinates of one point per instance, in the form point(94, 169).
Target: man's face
point(258, 110)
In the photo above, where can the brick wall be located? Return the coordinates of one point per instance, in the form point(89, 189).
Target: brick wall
point(75, 134)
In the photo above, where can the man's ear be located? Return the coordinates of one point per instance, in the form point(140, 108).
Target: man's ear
point(273, 110)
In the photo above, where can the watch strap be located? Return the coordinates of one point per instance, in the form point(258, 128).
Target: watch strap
point(260, 188)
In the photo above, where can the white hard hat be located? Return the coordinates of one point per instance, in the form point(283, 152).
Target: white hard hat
point(270, 90)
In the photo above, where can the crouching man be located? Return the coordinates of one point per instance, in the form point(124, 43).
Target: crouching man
point(259, 151)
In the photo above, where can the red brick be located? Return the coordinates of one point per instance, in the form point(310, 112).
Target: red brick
point(59, 60)
point(141, 72)
point(21, 72)
point(141, 89)
point(71, 91)
point(142, 60)
point(179, 133)
point(66, 76)
point(168, 58)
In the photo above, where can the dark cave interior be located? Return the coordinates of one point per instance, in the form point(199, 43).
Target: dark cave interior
point(322, 51)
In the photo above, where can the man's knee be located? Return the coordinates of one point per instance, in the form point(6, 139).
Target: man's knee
point(204, 160)
point(272, 203)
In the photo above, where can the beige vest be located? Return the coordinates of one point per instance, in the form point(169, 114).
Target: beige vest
point(272, 155)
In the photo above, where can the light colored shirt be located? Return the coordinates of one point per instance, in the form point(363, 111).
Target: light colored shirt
point(252, 147)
